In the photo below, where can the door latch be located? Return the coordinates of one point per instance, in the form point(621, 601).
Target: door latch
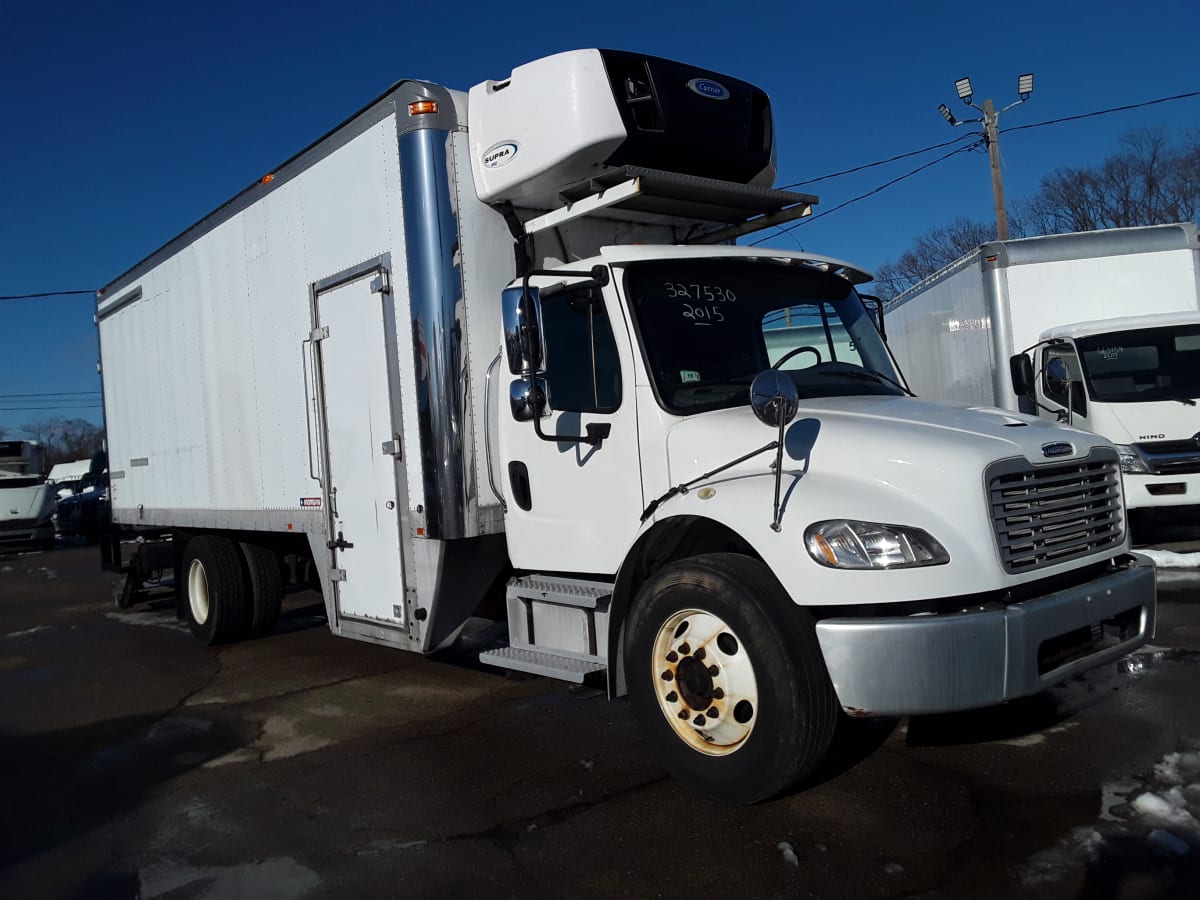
point(340, 544)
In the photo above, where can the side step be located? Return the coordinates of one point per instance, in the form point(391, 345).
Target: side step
point(557, 627)
point(539, 662)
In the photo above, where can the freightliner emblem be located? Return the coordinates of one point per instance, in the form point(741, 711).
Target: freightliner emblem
point(1050, 451)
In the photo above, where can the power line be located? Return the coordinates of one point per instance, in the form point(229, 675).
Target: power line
point(881, 162)
point(58, 394)
point(44, 408)
point(42, 294)
point(869, 193)
point(1101, 112)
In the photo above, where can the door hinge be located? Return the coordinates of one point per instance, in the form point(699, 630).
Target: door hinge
point(337, 574)
point(379, 284)
point(392, 447)
point(319, 334)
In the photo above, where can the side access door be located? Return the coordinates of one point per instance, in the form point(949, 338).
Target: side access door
point(359, 379)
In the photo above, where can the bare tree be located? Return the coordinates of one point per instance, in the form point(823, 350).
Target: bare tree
point(65, 440)
point(1151, 180)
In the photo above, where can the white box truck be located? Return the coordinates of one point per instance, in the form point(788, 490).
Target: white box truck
point(502, 338)
point(1119, 308)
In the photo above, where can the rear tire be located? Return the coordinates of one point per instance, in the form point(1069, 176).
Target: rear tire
point(727, 679)
point(266, 587)
point(215, 590)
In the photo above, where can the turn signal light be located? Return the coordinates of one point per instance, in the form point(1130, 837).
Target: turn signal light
point(422, 107)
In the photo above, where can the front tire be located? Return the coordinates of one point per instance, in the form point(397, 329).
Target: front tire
point(216, 597)
point(727, 680)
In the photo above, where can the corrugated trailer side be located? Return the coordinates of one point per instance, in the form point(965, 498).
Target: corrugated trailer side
point(941, 334)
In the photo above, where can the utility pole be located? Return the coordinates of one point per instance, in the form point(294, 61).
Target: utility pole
point(991, 136)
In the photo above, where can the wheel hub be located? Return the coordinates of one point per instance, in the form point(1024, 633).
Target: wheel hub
point(705, 682)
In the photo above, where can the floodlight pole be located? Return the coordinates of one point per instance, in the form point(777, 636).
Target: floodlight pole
point(991, 135)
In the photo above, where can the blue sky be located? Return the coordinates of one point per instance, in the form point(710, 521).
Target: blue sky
point(123, 123)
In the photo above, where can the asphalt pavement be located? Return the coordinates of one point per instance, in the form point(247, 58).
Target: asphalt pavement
point(136, 763)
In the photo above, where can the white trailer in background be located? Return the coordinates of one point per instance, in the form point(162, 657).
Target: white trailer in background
point(493, 354)
point(1120, 308)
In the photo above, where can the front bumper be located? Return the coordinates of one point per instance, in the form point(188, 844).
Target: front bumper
point(944, 663)
point(1162, 491)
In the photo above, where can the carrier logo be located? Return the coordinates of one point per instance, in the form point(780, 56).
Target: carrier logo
point(706, 87)
point(310, 502)
point(1050, 451)
point(500, 154)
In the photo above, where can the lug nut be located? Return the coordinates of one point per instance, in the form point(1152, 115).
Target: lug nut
point(685, 649)
point(713, 670)
point(683, 714)
point(672, 697)
point(713, 712)
point(698, 721)
point(672, 657)
point(718, 694)
point(668, 675)
point(699, 654)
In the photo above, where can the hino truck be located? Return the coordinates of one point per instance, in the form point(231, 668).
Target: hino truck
point(1108, 321)
point(496, 354)
point(26, 497)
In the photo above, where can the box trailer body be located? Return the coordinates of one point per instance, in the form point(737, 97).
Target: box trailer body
point(1120, 307)
point(493, 352)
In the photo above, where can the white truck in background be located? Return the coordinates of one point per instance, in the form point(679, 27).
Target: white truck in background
point(1119, 308)
point(26, 497)
point(494, 354)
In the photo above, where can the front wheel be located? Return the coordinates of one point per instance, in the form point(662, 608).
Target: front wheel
point(727, 679)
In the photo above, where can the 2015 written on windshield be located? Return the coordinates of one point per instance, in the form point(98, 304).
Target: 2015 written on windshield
point(701, 293)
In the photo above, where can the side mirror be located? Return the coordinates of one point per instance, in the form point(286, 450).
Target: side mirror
point(1020, 369)
point(773, 398)
point(527, 399)
point(522, 330)
point(1058, 379)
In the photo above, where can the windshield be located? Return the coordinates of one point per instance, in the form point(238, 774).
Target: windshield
point(1144, 364)
point(709, 326)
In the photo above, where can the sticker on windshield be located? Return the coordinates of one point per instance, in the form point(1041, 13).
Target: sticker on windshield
point(688, 375)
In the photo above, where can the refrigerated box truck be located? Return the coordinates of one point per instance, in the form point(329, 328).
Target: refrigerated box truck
point(503, 338)
point(26, 497)
point(1119, 308)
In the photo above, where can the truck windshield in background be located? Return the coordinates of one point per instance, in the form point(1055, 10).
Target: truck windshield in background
point(709, 326)
point(1143, 364)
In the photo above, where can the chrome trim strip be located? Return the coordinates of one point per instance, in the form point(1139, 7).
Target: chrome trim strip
point(487, 431)
point(435, 284)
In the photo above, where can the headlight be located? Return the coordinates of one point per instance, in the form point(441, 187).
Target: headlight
point(846, 544)
point(1131, 461)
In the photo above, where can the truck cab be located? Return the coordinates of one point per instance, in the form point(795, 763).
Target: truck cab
point(1136, 381)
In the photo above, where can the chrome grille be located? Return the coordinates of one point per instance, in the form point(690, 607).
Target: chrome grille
point(1045, 515)
point(1171, 457)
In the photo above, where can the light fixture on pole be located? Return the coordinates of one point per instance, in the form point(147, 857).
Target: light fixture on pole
point(991, 135)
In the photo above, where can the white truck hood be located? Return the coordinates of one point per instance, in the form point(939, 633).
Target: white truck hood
point(1133, 423)
point(31, 502)
point(910, 431)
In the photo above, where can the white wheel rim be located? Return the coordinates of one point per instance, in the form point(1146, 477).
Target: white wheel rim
point(198, 591)
point(704, 680)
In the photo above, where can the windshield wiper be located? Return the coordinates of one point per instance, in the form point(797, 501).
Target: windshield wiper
point(1162, 393)
point(865, 375)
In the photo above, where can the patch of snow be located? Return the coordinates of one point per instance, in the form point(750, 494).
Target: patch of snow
point(277, 878)
point(1167, 559)
point(157, 619)
point(893, 869)
point(27, 631)
point(6, 569)
point(1161, 807)
point(789, 854)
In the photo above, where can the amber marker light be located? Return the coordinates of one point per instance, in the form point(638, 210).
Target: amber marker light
point(422, 107)
point(267, 179)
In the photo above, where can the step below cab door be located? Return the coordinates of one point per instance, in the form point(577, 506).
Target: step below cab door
point(358, 374)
